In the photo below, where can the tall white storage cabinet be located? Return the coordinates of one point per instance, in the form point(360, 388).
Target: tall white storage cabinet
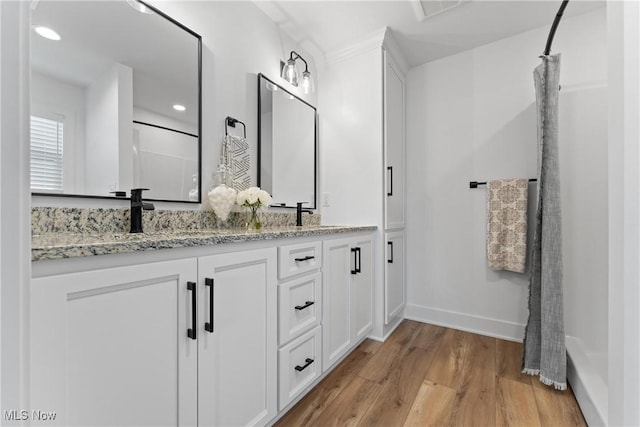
point(363, 156)
point(394, 203)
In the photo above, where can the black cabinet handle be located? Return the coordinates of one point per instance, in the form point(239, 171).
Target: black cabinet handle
point(390, 169)
point(208, 326)
point(390, 260)
point(307, 258)
point(354, 251)
point(305, 366)
point(191, 332)
point(306, 304)
point(359, 267)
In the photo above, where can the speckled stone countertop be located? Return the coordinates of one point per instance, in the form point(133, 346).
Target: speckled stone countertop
point(59, 245)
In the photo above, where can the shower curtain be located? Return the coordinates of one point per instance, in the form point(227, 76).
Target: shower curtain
point(544, 347)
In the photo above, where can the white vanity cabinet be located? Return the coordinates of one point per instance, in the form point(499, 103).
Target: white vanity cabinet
point(299, 317)
point(347, 290)
point(237, 345)
point(112, 346)
point(228, 335)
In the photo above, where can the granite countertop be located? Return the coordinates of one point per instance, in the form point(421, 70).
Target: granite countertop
point(49, 246)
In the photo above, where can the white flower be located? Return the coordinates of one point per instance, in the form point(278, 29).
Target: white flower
point(253, 196)
point(265, 198)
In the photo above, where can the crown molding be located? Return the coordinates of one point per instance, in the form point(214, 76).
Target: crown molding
point(372, 41)
point(392, 47)
point(381, 38)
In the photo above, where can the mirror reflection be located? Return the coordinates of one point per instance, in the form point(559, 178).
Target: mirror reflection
point(286, 146)
point(115, 101)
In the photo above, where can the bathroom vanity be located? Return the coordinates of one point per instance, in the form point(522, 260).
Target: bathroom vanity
point(216, 328)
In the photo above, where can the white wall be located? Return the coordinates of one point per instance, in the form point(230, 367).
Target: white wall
point(624, 213)
point(15, 257)
point(471, 117)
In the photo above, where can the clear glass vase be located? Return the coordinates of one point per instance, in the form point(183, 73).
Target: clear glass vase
point(254, 218)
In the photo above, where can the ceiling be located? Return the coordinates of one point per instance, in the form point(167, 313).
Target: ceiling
point(323, 27)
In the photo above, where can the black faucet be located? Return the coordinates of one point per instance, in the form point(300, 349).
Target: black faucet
point(299, 211)
point(137, 205)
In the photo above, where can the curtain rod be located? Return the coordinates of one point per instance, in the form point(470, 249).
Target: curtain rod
point(554, 27)
point(474, 184)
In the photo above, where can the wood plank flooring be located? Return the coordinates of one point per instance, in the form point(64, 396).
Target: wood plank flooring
point(426, 375)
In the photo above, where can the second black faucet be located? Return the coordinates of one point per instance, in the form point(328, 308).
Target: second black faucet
point(299, 211)
point(137, 205)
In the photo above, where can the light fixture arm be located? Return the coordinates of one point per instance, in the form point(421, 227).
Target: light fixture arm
point(298, 56)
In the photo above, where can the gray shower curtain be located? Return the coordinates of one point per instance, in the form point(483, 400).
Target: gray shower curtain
point(544, 348)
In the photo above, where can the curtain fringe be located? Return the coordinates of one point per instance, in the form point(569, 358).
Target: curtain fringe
point(544, 380)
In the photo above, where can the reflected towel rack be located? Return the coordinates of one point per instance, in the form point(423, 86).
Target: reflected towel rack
point(474, 184)
point(231, 122)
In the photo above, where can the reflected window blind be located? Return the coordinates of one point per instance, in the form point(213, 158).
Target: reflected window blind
point(46, 154)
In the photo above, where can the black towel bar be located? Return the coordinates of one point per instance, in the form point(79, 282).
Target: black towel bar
point(474, 184)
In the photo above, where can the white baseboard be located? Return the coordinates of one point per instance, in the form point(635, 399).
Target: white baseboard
point(390, 328)
point(465, 322)
point(589, 388)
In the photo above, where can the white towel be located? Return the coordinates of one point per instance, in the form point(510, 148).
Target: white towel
point(507, 224)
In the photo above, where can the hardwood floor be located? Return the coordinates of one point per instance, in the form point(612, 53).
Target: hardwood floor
point(426, 375)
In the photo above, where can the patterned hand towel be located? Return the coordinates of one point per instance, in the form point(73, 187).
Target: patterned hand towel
point(507, 224)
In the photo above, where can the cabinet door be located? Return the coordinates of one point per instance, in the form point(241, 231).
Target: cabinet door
point(394, 286)
point(111, 347)
point(394, 145)
point(339, 263)
point(362, 290)
point(237, 360)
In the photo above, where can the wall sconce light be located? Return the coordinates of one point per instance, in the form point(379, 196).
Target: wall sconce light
point(290, 72)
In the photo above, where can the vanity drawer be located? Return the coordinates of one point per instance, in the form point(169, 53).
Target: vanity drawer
point(299, 306)
point(298, 259)
point(299, 364)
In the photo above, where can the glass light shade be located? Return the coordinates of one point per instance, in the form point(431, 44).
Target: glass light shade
point(307, 82)
point(290, 73)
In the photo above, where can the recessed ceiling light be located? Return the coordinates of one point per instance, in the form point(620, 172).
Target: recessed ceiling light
point(140, 7)
point(47, 33)
point(271, 86)
point(179, 107)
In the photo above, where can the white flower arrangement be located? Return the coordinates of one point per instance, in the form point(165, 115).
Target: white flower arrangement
point(253, 197)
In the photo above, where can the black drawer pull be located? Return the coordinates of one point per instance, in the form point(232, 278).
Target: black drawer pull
point(390, 170)
point(354, 251)
point(390, 260)
point(208, 326)
point(306, 304)
point(306, 365)
point(191, 332)
point(307, 258)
